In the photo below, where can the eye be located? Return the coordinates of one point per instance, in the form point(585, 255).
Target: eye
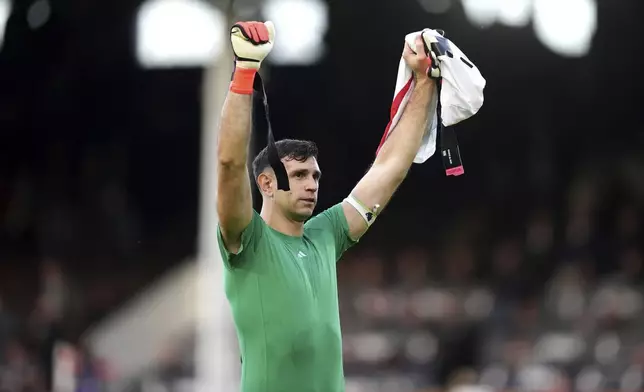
point(300, 175)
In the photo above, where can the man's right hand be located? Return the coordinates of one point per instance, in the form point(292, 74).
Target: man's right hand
point(252, 42)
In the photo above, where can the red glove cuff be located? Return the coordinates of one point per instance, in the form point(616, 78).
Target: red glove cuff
point(243, 80)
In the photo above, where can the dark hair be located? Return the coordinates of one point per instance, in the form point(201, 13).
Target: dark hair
point(300, 150)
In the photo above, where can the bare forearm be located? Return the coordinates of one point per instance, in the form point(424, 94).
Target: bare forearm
point(399, 150)
point(234, 132)
point(251, 42)
point(375, 189)
point(234, 205)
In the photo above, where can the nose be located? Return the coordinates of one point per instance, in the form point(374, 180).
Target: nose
point(311, 185)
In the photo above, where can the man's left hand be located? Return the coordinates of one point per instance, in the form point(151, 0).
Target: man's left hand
point(421, 60)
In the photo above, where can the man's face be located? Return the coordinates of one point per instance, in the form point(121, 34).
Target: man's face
point(304, 179)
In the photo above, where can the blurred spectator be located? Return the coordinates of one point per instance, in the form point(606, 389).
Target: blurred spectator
point(18, 372)
point(92, 375)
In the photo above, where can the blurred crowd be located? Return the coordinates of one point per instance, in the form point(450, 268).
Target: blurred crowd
point(67, 251)
point(518, 296)
point(553, 301)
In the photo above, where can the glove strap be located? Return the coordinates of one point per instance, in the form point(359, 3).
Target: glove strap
point(450, 152)
point(243, 79)
point(262, 123)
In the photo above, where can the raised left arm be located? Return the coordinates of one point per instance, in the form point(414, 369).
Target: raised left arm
point(397, 154)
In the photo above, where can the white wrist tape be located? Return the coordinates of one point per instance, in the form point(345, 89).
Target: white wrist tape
point(369, 215)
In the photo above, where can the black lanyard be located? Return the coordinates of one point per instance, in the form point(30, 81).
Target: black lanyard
point(262, 123)
point(450, 152)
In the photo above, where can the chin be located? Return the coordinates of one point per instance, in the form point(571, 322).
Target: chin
point(303, 214)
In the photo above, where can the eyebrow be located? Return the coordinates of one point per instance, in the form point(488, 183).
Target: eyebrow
point(316, 173)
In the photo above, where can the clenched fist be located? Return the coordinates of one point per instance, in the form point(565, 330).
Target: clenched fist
point(252, 42)
point(421, 57)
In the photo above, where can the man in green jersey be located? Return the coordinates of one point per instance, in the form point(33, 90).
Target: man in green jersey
point(280, 271)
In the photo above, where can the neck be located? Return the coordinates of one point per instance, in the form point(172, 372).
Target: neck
point(276, 220)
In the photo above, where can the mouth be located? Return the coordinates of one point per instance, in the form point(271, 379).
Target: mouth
point(308, 200)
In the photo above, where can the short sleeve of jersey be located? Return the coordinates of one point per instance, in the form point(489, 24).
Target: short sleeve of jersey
point(334, 223)
point(250, 238)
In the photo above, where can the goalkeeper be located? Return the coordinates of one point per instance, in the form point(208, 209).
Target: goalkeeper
point(280, 272)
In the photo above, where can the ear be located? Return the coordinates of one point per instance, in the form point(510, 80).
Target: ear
point(266, 182)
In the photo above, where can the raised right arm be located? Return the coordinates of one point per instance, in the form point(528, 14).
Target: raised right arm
point(234, 198)
point(251, 41)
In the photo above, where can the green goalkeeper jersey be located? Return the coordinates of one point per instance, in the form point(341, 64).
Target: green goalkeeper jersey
point(284, 299)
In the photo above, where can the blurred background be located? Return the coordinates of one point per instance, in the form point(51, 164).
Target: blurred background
point(523, 274)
